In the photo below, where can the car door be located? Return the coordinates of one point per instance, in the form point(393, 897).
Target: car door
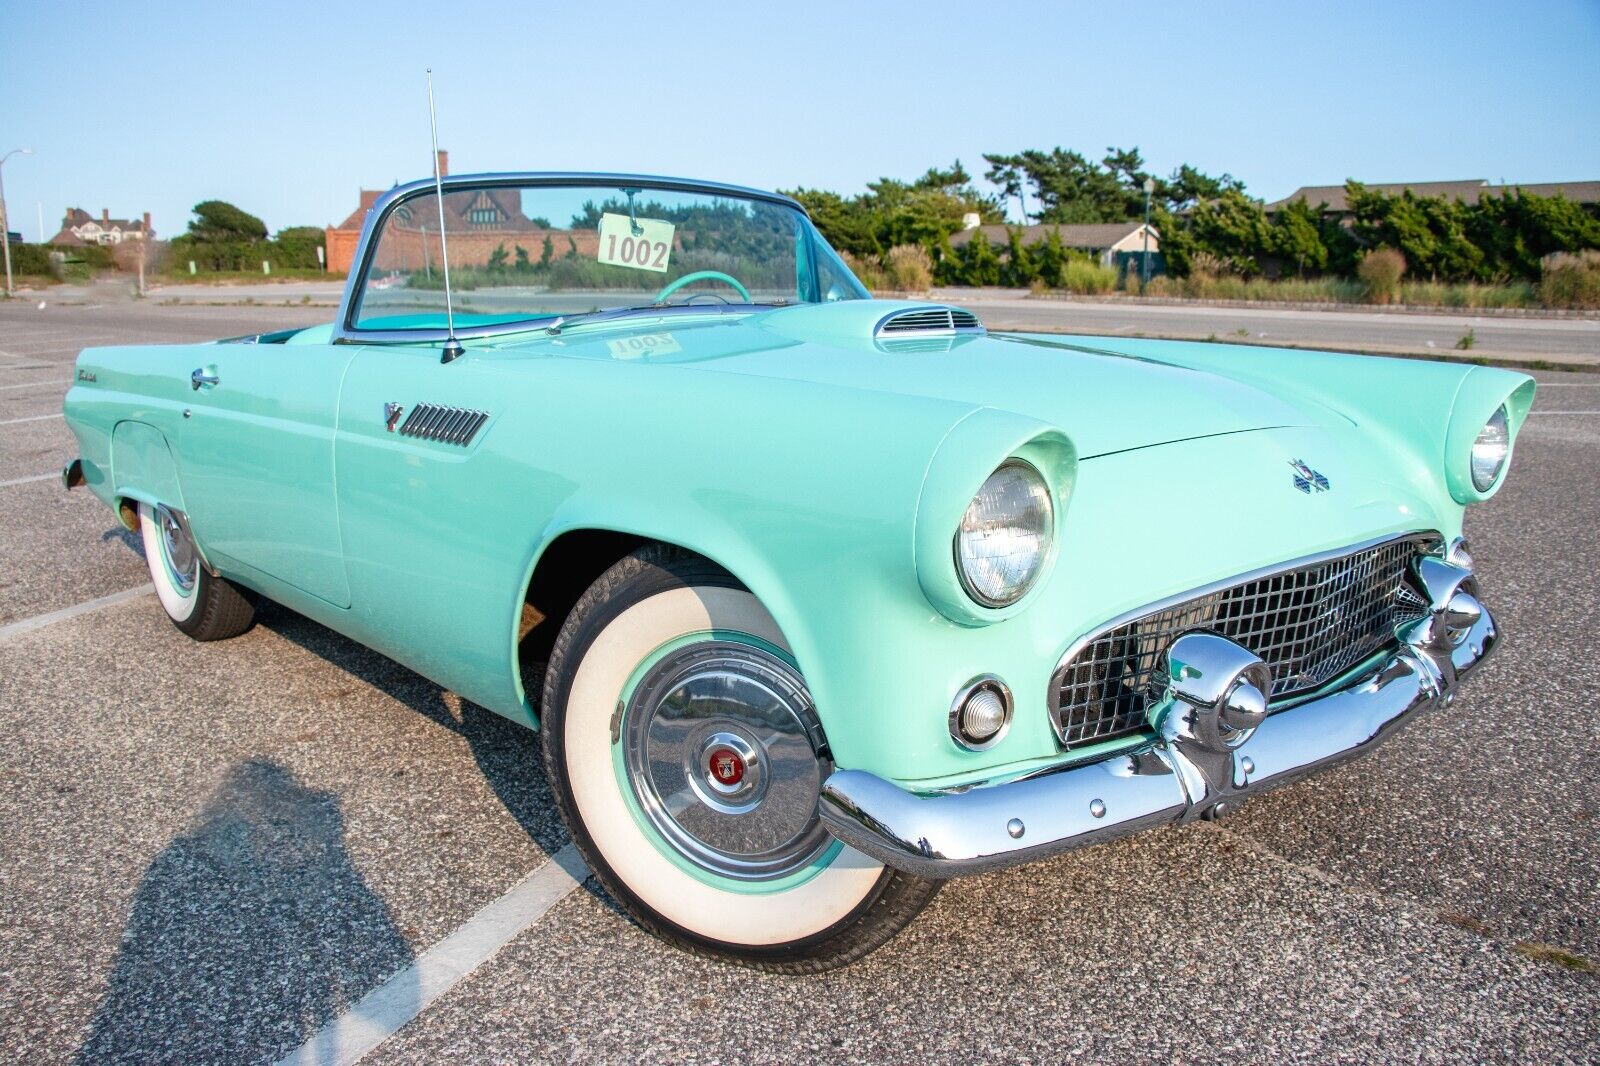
point(257, 461)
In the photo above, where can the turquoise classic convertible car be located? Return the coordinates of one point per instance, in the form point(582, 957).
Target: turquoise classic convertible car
point(818, 600)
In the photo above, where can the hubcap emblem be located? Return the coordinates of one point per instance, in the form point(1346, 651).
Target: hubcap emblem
point(726, 767)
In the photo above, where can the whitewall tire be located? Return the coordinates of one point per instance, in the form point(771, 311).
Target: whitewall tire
point(686, 759)
point(202, 605)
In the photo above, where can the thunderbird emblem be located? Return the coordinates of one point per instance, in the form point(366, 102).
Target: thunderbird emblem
point(1308, 480)
point(391, 415)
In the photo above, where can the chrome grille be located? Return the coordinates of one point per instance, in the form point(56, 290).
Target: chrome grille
point(450, 425)
point(929, 320)
point(1309, 622)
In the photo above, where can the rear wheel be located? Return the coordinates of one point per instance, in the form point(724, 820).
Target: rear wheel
point(204, 606)
point(687, 759)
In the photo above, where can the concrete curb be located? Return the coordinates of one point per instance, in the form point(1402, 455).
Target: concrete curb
point(1303, 305)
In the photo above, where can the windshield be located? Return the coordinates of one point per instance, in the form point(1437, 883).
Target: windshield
point(541, 251)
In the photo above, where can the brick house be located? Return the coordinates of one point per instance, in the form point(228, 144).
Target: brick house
point(479, 221)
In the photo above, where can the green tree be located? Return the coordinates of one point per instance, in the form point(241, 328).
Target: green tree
point(893, 212)
point(1516, 230)
point(1019, 268)
point(216, 221)
point(1051, 259)
point(548, 251)
point(1233, 227)
point(497, 258)
point(1297, 238)
point(522, 263)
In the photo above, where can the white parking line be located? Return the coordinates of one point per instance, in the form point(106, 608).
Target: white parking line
point(39, 621)
point(27, 480)
point(382, 1012)
point(30, 418)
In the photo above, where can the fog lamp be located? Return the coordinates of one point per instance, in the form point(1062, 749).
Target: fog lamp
point(980, 713)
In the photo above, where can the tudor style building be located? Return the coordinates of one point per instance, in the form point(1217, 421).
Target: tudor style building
point(79, 228)
point(478, 224)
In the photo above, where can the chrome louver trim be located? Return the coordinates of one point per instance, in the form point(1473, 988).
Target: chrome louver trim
point(1310, 619)
point(929, 320)
point(448, 425)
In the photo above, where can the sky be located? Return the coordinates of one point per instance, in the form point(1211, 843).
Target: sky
point(288, 108)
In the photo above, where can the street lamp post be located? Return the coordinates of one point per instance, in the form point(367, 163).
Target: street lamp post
point(1144, 259)
point(5, 219)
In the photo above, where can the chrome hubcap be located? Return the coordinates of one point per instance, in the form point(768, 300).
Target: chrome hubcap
point(719, 744)
point(183, 562)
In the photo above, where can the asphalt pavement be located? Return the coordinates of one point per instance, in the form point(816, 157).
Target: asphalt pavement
point(215, 853)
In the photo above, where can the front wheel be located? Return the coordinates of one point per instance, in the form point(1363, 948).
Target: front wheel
point(687, 760)
point(202, 605)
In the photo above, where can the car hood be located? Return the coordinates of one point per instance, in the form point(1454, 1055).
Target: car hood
point(1106, 401)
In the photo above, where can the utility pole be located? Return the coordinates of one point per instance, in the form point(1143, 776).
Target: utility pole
point(5, 219)
point(1144, 259)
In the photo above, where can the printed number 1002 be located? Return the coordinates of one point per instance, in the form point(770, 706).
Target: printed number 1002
point(641, 252)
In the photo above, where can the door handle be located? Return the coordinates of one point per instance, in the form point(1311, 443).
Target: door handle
point(200, 377)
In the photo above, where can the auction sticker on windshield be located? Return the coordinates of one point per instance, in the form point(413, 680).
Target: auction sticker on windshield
point(639, 243)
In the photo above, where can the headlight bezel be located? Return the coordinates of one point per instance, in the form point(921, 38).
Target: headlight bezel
point(1482, 393)
point(1036, 572)
point(970, 452)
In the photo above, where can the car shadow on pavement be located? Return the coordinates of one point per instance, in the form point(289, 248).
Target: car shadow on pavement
point(507, 754)
point(247, 933)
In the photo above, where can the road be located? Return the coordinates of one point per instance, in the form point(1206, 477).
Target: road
point(1556, 340)
point(1568, 343)
point(212, 852)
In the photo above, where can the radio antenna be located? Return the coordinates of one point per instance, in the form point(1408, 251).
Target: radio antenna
point(452, 346)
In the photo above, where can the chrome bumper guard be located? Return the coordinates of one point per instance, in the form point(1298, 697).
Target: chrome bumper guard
point(1215, 744)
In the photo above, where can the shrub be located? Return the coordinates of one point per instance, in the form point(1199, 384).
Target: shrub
point(31, 259)
point(1381, 270)
point(1088, 277)
point(1207, 265)
point(866, 271)
point(1571, 281)
point(909, 268)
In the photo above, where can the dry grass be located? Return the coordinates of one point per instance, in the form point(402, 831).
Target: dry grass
point(1381, 270)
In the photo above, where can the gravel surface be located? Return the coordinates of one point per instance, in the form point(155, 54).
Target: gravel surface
point(210, 850)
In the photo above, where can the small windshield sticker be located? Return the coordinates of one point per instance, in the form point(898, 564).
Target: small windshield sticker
point(641, 244)
point(646, 344)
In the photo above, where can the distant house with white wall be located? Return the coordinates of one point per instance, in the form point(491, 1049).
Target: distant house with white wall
point(79, 228)
point(1109, 242)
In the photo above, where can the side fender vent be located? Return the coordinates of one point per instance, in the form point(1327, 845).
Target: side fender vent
point(448, 425)
point(924, 320)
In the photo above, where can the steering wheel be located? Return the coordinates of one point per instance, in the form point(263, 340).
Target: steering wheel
point(702, 275)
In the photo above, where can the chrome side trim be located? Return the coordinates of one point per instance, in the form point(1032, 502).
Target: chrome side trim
point(448, 425)
point(1193, 767)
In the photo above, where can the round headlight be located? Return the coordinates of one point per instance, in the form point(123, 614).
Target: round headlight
point(1489, 451)
point(1005, 535)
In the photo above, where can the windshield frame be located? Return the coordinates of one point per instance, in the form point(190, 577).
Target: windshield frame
point(345, 330)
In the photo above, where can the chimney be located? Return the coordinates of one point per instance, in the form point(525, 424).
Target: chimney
point(147, 223)
point(105, 217)
point(444, 163)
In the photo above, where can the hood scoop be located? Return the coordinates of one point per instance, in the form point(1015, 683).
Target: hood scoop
point(927, 321)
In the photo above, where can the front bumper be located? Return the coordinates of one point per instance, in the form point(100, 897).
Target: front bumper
point(1207, 755)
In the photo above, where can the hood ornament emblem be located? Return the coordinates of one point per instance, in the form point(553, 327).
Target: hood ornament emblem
point(1308, 480)
point(391, 415)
